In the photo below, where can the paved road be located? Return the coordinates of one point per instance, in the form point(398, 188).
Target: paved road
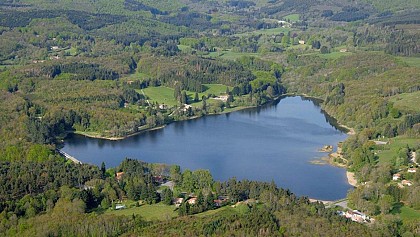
point(342, 204)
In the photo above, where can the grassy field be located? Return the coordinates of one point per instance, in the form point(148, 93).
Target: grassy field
point(165, 95)
point(273, 31)
point(184, 47)
point(408, 213)
point(135, 76)
point(229, 55)
point(407, 102)
point(292, 17)
point(212, 212)
point(161, 94)
point(390, 150)
point(158, 211)
point(411, 61)
point(334, 55)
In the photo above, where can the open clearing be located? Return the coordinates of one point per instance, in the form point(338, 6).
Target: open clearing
point(407, 102)
point(158, 211)
point(165, 95)
point(389, 151)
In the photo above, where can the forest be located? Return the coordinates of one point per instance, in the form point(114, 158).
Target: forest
point(110, 69)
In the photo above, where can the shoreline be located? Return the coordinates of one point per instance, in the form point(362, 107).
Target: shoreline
point(351, 179)
point(350, 131)
point(239, 108)
point(118, 138)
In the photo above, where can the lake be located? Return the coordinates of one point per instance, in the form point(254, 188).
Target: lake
point(273, 142)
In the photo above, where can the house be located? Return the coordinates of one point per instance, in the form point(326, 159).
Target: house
point(223, 198)
point(343, 50)
point(396, 177)
point(119, 175)
point(177, 201)
point(163, 106)
point(119, 206)
point(159, 179)
point(192, 201)
point(223, 98)
point(406, 183)
point(412, 170)
point(218, 203)
point(186, 107)
point(356, 216)
point(301, 42)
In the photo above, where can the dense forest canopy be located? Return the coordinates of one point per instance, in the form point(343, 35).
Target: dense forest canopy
point(109, 69)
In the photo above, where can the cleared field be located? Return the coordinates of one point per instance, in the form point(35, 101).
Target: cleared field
point(411, 61)
point(229, 55)
point(334, 55)
point(158, 211)
point(165, 95)
point(390, 150)
point(212, 212)
point(161, 94)
point(215, 89)
point(408, 213)
point(135, 76)
point(273, 31)
point(292, 17)
point(184, 47)
point(407, 102)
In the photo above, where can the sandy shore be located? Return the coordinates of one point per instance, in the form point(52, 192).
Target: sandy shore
point(350, 130)
point(119, 138)
point(351, 179)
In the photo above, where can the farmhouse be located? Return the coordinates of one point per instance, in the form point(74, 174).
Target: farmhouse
point(178, 201)
point(192, 201)
point(163, 106)
point(412, 170)
point(186, 107)
point(396, 177)
point(119, 175)
point(356, 216)
point(406, 182)
point(119, 206)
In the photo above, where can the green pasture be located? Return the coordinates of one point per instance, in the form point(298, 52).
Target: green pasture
point(407, 102)
point(292, 17)
point(165, 95)
point(390, 150)
point(160, 212)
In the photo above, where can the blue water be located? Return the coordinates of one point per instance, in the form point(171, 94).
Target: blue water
point(275, 142)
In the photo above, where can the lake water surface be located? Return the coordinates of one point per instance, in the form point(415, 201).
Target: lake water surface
point(274, 142)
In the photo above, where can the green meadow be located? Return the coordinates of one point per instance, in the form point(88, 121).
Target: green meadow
point(165, 95)
point(407, 102)
point(160, 212)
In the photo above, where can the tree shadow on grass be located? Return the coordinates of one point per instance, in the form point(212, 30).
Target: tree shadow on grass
point(396, 208)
